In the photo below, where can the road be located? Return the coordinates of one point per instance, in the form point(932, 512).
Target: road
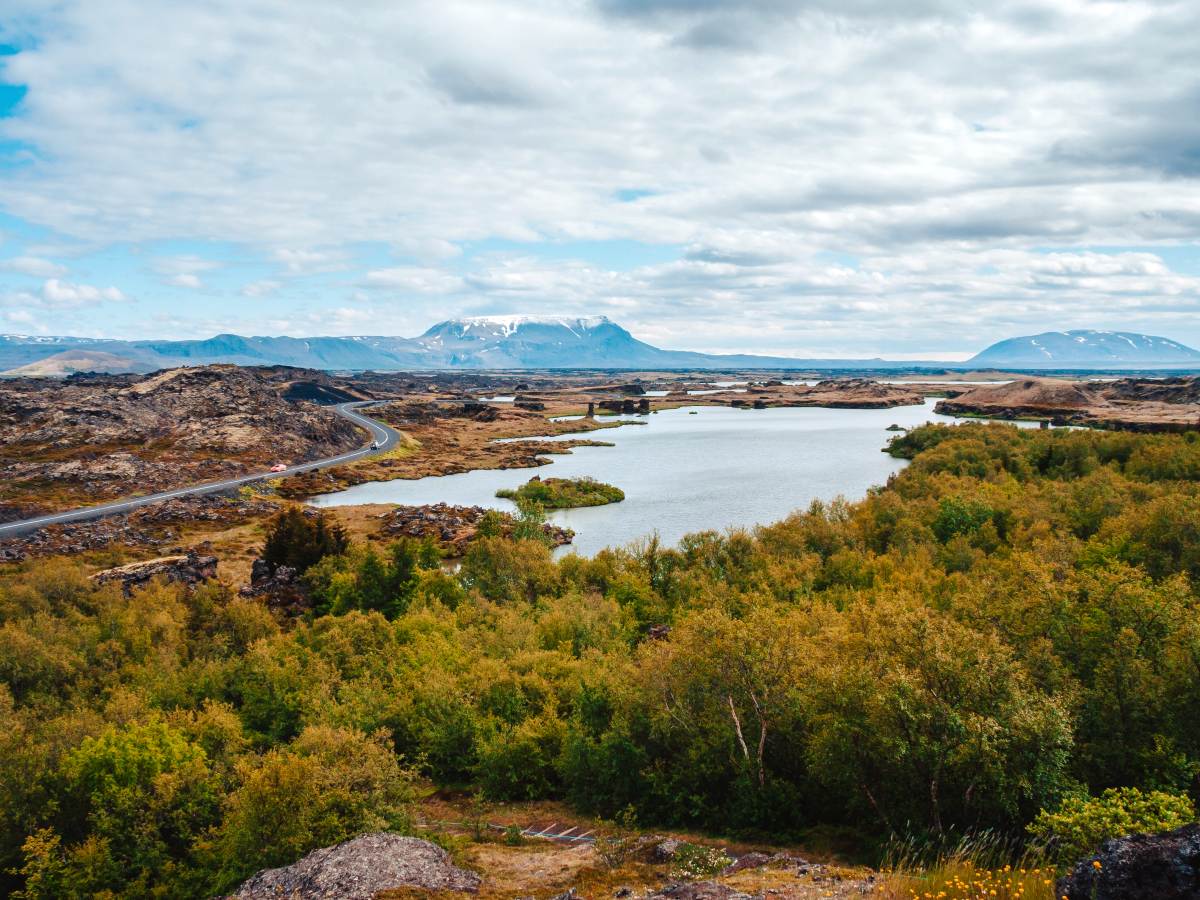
point(386, 437)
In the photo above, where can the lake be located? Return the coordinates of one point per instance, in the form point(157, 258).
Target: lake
point(690, 469)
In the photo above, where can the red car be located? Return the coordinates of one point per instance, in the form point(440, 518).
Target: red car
point(279, 467)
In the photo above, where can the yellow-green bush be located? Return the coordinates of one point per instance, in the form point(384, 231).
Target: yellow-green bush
point(1080, 824)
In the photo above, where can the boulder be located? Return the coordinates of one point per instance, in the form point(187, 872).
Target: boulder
point(665, 851)
point(280, 588)
point(360, 868)
point(260, 571)
point(1164, 866)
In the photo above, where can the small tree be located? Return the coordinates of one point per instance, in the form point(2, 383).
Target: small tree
point(530, 525)
point(301, 540)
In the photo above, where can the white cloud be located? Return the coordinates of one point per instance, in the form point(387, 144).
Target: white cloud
point(33, 265)
point(63, 294)
point(413, 279)
point(184, 271)
point(261, 288)
point(845, 176)
point(310, 261)
point(20, 317)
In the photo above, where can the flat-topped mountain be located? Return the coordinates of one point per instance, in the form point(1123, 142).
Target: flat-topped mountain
point(1086, 349)
point(517, 342)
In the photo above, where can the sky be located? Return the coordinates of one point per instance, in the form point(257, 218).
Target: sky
point(862, 178)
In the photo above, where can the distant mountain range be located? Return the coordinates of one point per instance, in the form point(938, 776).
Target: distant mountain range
point(1086, 349)
point(527, 342)
point(501, 342)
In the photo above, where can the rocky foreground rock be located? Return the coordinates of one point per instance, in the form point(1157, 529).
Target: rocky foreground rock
point(156, 527)
point(360, 868)
point(190, 568)
point(1134, 404)
point(454, 527)
point(1161, 866)
point(107, 436)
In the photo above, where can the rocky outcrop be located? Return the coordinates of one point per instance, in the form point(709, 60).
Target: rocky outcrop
point(619, 407)
point(698, 890)
point(100, 438)
point(155, 527)
point(454, 527)
point(279, 588)
point(1163, 866)
point(1133, 404)
point(358, 869)
point(751, 860)
point(853, 393)
point(191, 569)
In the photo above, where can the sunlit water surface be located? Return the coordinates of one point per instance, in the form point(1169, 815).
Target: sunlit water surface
point(688, 470)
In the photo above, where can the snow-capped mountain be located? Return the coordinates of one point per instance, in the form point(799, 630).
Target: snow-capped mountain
point(541, 343)
point(489, 342)
point(1087, 349)
point(545, 342)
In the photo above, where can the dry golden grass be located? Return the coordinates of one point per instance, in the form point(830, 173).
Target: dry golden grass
point(542, 869)
point(962, 879)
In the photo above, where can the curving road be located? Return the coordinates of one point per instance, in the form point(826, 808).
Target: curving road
point(386, 437)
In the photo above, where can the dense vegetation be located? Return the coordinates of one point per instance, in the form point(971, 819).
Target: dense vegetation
point(1007, 627)
point(563, 493)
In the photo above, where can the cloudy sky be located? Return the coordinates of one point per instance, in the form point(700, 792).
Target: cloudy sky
point(811, 177)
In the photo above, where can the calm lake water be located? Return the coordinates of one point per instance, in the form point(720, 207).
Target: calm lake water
point(688, 470)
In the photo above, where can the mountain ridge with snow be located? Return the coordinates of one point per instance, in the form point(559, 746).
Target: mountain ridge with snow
point(547, 342)
point(1086, 348)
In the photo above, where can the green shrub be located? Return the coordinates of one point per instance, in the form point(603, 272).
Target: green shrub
point(693, 861)
point(330, 784)
point(563, 493)
point(519, 763)
point(1081, 824)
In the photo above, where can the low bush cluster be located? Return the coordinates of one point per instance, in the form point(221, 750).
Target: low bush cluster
point(563, 493)
point(1010, 623)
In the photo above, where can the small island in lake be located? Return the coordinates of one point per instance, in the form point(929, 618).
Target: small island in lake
point(563, 493)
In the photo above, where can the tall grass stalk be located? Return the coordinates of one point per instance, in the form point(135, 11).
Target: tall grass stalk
point(977, 866)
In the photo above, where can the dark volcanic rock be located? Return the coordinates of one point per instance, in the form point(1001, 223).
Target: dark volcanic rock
point(699, 890)
point(1163, 866)
point(280, 588)
point(453, 527)
point(1130, 404)
point(665, 851)
point(360, 868)
point(153, 527)
point(752, 860)
point(190, 569)
point(101, 438)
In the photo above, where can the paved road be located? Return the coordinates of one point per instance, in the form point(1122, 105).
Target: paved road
point(386, 437)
